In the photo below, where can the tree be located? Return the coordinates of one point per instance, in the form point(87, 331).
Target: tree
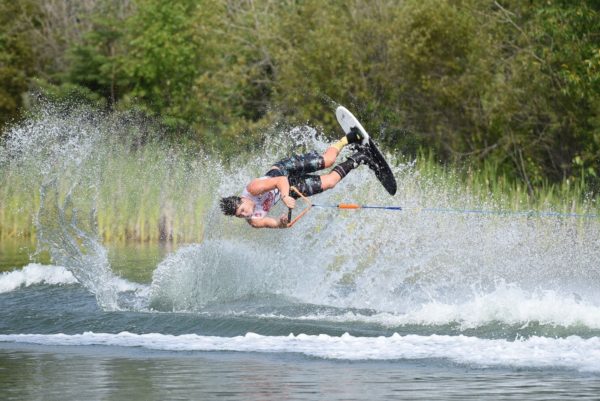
point(163, 56)
point(97, 62)
point(544, 104)
point(16, 58)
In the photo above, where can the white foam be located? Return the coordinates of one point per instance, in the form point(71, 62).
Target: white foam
point(512, 305)
point(535, 352)
point(507, 304)
point(35, 273)
point(123, 285)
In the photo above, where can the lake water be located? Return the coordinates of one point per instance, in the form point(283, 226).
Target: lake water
point(57, 343)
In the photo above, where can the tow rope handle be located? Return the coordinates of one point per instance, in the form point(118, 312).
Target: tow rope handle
point(307, 207)
point(348, 206)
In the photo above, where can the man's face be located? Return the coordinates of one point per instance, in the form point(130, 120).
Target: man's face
point(244, 210)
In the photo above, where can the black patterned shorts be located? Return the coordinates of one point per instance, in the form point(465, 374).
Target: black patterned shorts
point(296, 168)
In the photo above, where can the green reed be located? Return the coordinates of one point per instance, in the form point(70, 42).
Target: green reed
point(150, 194)
point(489, 187)
point(17, 206)
point(155, 192)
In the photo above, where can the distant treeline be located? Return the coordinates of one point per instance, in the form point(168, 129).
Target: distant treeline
point(515, 83)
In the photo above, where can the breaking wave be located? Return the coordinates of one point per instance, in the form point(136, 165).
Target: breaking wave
point(33, 274)
point(572, 353)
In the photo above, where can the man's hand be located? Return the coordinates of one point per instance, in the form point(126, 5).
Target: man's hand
point(289, 201)
point(269, 222)
point(283, 221)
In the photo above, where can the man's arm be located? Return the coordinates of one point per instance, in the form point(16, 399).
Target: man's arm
point(269, 222)
point(261, 185)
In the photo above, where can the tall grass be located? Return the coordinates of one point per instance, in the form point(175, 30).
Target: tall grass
point(156, 193)
point(153, 195)
point(17, 206)
point(489, 187)
point(148, 195)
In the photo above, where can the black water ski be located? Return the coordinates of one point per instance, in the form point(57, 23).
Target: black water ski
point(382, 170)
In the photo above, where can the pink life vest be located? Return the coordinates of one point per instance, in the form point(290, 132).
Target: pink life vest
point(263, 202)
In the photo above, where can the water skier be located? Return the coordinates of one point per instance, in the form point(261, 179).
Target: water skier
point(261, 194)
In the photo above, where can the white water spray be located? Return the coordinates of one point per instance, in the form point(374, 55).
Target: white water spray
point(414, 268)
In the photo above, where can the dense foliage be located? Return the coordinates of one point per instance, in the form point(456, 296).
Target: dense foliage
point(510, 82)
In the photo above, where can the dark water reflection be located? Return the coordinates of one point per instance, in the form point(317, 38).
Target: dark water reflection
point(90, 373)
point(133, 261)
point(15, 253)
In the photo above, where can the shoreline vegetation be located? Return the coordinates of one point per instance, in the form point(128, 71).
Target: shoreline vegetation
point(139, 188)
point(495, 99)
point(154, 194)
point(124, 213)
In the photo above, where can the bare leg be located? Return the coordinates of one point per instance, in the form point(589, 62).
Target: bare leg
point(312, 185)
point(330, 155)
point(334, 150)
point(330, 180)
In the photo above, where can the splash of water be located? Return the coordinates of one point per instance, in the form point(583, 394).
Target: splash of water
point(60, 232)
point(406, 265)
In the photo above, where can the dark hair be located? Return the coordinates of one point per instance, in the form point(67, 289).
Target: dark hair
point(230, 204)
